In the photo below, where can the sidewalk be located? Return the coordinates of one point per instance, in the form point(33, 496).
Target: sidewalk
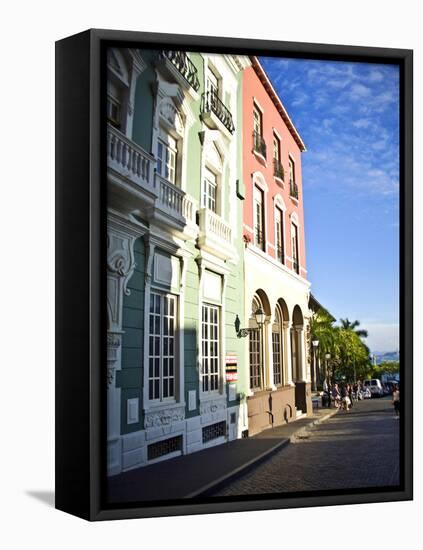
point(192, 475)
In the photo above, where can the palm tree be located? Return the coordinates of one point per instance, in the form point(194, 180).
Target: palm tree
point(352, 325)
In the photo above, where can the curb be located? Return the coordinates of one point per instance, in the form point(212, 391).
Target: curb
point(233, 473)
point(254, 461)
point(302, 431)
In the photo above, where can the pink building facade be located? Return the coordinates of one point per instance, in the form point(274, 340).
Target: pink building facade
point(275, 258)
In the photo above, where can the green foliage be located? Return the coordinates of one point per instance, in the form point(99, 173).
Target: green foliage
point(349, 354)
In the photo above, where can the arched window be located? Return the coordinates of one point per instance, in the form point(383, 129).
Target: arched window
point(255, 348)
point(277, 347)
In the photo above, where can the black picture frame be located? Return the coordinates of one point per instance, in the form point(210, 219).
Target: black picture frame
point(80, 285)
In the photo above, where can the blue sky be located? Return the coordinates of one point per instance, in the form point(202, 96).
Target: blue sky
point(348, 117)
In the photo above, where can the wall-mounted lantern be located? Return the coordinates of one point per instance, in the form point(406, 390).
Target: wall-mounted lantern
point(243, 332)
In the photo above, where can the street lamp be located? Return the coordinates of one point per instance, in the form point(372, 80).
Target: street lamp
point(315, 346)
point(327, 356)
point(260, 317)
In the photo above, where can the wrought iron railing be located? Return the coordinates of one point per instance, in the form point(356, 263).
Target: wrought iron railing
point(212, 103)
point(185, 66)
point(278, 170)
point(259, 145)
point(293, 190)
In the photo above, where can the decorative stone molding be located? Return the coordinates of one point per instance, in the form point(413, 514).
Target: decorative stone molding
point(170, 115)
point(212, 407)
point(120, 257)
point(113, 344)
point(164, 417)
point(121, 236)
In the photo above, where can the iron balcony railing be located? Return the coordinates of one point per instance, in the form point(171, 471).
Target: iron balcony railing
point(212, 103)
point(259, 145)
point(185, 66)
point(293, 190)
point(278, 170)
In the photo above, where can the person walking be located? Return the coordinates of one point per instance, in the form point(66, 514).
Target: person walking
point(396, 400)
point(350, 394)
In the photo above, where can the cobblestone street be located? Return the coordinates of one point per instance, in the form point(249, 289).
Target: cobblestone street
point(354, 449)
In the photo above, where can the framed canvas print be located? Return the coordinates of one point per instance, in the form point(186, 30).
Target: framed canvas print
point(234, 274)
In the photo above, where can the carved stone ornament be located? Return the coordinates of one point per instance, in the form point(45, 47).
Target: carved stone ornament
point(164, 417)
point(120, 257)
point(171, 115)
point(113, 344)
point(211, 407)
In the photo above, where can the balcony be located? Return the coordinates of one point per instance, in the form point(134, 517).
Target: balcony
point(278, 171)
point(184, 66)
point(213, 110)
point(129, 160)
point(134, 185)
point(215, 235)
point(259, 145)
point(174, 207)
point(293, 190)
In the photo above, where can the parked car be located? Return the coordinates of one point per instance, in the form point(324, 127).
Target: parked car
point(375, 387)
point(366, 393)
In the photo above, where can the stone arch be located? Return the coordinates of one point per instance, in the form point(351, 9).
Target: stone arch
point(297, 316)
point(265, 303)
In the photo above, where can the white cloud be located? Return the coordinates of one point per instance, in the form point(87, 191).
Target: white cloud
point(362, 123)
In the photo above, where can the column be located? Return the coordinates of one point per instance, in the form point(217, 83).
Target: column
point(121, 236)
point(299, 348)
point(268, 356)
point(287, 352)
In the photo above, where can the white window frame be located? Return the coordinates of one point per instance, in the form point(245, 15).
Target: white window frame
point(207, 184)
point(157, 356)
point(210, 359)
point(169, 164)
point(259, 192)
point(278, 210)
point(278, 343)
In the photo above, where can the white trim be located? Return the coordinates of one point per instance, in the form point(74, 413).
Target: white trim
point(254, 250)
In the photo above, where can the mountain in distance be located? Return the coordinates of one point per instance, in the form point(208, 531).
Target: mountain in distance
point(382, 356)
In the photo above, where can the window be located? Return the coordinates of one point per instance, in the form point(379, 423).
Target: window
point(114, 111)
point(278, 171)
point(291, 171)
point(295, 262)
point(210, 348)
point(277, 347)
point(257, 121)
point(255, 350)
point(259, 145)
point(212, 83)
point(276, 148)
point(258, 218)
point(280, 251)
point(162, 353)
point(166, 157)
point(210, 190)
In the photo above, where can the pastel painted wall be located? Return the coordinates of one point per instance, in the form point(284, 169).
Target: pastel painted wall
point(253, 91)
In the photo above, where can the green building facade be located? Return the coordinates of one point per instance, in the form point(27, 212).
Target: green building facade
point(175, 254)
